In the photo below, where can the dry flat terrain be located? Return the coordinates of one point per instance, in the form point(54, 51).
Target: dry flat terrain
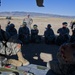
point(40, 21)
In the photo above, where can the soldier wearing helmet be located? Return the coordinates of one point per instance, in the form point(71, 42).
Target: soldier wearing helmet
point(34, 34)
point(29, 21)
point(11, 46)
point(12, 30)
point(72, 25)
point(49, 35)
point(63, 36)
point(24, 34)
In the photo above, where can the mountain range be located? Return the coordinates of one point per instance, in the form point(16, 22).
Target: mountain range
point(33, 14)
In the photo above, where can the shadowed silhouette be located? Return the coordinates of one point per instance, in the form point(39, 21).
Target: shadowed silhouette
point(40, 3)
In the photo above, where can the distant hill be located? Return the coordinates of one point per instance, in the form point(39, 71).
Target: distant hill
point(32, 14)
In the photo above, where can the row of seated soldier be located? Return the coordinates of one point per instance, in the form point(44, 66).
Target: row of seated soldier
point(63, 37)
point(49, 35)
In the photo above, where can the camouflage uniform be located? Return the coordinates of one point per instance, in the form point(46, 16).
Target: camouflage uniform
point(11, 30)
point(72, 39)
point(24, 34)
point(63, 36)
point(7, 28)
point(49, 35)
point(73, 32)
point(8, 25)
point(34, 35)
point(29, 21)
point(72, 25)
point(10, 47)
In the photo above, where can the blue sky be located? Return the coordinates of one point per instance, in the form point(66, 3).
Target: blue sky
point(60, 7)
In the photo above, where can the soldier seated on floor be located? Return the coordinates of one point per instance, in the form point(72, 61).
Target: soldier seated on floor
point(49, 35)
point(63, 36)
point(8, 25)
point(34, 34)
point(66, 60)
point(11, 46)
point(72, 39)
point(11, 30)
point(72, 25)
point(24, 34)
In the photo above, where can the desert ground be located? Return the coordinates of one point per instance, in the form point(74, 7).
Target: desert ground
point(40, 21)
point(41, 53)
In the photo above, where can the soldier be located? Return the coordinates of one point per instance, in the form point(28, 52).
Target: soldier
point(11, 46)
point(24, 34)
point(12, 30)
point(8, 25)
point(49, 35)
point(3, 35)
point(29, 21)
point(66, 60)
point(72, 39)
point(34, 34)
point(72, 25)
point(63, 34)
